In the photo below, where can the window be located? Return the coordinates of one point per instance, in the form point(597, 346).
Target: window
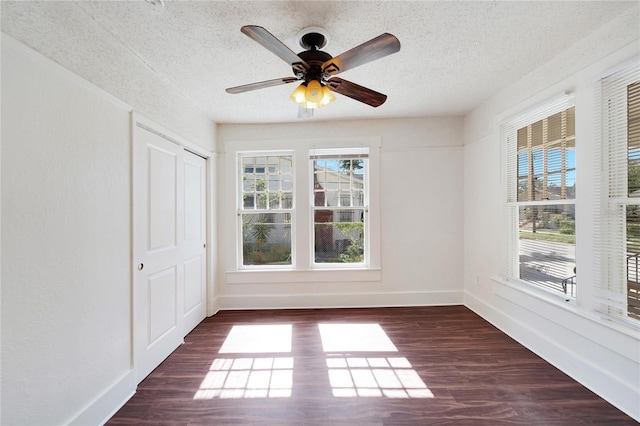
point(306, 209)
point(339, 206)
point(618, 288)
point(265, 213)
point(541, 182)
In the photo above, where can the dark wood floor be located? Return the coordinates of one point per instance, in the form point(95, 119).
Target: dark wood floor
point(449, 367)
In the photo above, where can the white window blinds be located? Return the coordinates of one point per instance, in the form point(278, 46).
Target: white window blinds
point(540, 198)
point(618, 240)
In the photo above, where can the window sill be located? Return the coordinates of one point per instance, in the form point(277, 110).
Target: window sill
point(307, 276)
point(549, 296)
point(567, 306)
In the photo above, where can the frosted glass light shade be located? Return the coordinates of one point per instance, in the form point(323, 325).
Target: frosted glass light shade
point(314, 91)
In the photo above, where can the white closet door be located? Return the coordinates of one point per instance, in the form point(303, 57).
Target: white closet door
point(158, 249)
point(195, 272)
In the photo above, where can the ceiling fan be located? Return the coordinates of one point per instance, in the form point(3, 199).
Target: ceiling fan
point(316, 69)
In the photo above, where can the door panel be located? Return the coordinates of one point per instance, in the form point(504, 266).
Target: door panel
point(194, 240)
point(162, 318)
point(163, 165)
point(158, 180)
point(193, 284)
point(193, 193)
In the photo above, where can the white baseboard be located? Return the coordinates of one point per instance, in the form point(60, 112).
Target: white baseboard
point(214, 307)
point(106, 405)
point(341, 300)
point(582, 366)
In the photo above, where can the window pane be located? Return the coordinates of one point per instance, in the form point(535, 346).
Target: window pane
point(570, 183)
point(633, 139)
point(542, 162)
point(633, 261)
point(358, 199)
point(522, 138)
point(335, 181)
point(538, 165)
point(264, 184)
point(274, 183)
point(634, 173)
point(571, 158)
point(248, 181)
point(285, 165)
point(339, 236)
point(554, 159)
point(287, 182)
point(536, 134)
point(523, 189)
point(266, 238)
point(523, 164)
point(248, 202)
point(547, 246)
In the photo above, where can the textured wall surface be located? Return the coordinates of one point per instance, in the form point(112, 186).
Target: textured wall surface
point(65, 243)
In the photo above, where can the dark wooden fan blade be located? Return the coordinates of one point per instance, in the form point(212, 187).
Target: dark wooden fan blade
point(357, 92)
point(376, 48)
point(261, 85)
point(275, 46)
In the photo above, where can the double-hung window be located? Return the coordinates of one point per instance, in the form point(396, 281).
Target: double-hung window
point(541, 185)
point(266, 208)
point(340, 200)
point(307, 209)
point(618, 285)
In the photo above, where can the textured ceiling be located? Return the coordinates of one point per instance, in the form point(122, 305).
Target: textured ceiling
point(454, 54)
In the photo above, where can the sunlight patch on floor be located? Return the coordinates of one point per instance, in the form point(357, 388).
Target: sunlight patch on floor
point(247, 378)
point(391, 377)
point(355, 338)
point(245, 339)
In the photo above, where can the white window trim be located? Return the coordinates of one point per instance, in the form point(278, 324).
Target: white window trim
point(302, 269)
point(347, 152)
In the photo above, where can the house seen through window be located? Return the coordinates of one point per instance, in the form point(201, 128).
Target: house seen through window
point(266, 209)
point(339, 211)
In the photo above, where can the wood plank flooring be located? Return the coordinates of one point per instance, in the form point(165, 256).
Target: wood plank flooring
point(413, 366)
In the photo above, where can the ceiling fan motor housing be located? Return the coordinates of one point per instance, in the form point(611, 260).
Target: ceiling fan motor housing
point(315, 59)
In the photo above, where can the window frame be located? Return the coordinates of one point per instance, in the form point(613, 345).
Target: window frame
point(612, 278)
point(239, 174)
point(512, 202)
point(340, 153)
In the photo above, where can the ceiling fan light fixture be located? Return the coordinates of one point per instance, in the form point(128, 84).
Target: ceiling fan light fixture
point(327, 96)
point(312, 95)
point(314, 91)
point(298, 95)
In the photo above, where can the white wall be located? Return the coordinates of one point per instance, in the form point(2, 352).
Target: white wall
point(66, 233)
point(601, 355)
point(421, 217)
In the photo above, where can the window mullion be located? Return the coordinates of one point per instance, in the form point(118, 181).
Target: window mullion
point(545, 159)
point(531, 189)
